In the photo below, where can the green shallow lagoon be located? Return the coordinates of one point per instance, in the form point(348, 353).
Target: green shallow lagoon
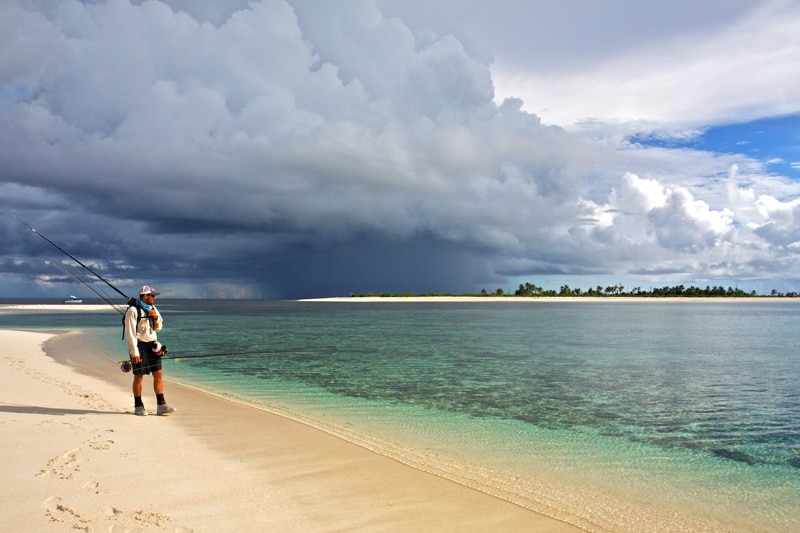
point(623, 416)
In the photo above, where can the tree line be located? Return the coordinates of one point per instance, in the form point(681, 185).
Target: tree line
point(532, 290)
point(529, 289)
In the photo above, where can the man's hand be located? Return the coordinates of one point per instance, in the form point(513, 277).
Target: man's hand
point(135, 359)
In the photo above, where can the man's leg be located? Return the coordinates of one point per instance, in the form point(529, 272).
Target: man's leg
point(137, 386)
point(137, 395)
point(158, 387)
point(158, 381)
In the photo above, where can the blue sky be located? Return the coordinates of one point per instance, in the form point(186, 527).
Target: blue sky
point(294, 148)
point(774, 140)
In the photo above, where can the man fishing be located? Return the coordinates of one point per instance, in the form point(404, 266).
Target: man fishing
point(142, 322)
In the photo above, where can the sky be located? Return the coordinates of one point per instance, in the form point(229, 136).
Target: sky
point(297, 148)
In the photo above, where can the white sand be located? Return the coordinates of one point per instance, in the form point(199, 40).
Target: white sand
point(77, 459)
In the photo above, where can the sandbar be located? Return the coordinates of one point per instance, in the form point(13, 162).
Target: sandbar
point(55, 307)
point(544, 299)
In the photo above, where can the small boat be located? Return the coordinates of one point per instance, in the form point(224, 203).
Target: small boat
point(73, 300)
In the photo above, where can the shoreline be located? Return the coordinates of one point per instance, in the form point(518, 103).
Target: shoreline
point(82, 460)
point(13, 307)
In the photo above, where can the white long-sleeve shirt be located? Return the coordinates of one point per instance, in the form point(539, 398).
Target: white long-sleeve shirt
point(140, 330)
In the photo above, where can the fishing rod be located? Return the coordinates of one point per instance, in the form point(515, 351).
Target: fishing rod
point(99, 292)
point(60, 249)
point(126, 365)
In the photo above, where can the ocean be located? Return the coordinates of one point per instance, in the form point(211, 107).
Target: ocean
point(660, 415)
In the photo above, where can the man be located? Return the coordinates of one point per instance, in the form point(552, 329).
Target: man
point(142, 322)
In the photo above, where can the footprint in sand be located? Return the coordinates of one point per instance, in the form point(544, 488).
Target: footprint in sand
point(52, 502)
point(58, 512)
point(149, 520)
point(59, 465)
point(101, 445)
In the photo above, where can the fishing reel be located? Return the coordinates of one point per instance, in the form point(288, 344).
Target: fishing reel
point(160, 350)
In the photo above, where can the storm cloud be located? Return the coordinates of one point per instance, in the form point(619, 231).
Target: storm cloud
point(294, 148)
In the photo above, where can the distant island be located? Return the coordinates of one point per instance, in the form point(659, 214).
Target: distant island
point(529, 290)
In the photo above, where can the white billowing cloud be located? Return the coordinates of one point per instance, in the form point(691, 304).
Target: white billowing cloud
point(638, 195)
point(680, 232)
point(271, 138)
point(687, 224)
point(781, 226)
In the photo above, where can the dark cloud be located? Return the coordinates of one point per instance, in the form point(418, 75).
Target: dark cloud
point(284, 149)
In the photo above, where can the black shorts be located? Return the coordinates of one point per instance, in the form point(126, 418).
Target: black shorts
point(150, 361)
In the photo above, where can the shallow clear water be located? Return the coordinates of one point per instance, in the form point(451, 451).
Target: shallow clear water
point(614, 415)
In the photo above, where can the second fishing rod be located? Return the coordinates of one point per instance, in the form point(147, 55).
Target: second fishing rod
point(87, 268)
point(126, 366)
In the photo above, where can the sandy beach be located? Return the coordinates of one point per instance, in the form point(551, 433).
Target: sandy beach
point(80, 460)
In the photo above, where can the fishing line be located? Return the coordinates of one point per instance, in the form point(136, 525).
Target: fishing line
point(98, 289)
point(99, 292)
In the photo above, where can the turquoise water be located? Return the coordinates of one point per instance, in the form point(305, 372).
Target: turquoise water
point(622, 416)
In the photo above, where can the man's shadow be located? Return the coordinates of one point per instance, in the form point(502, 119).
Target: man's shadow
point(37, 410)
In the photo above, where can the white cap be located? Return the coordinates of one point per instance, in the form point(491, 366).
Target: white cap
point(147, 289)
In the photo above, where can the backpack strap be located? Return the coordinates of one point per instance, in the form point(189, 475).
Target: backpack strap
point(139, 313)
